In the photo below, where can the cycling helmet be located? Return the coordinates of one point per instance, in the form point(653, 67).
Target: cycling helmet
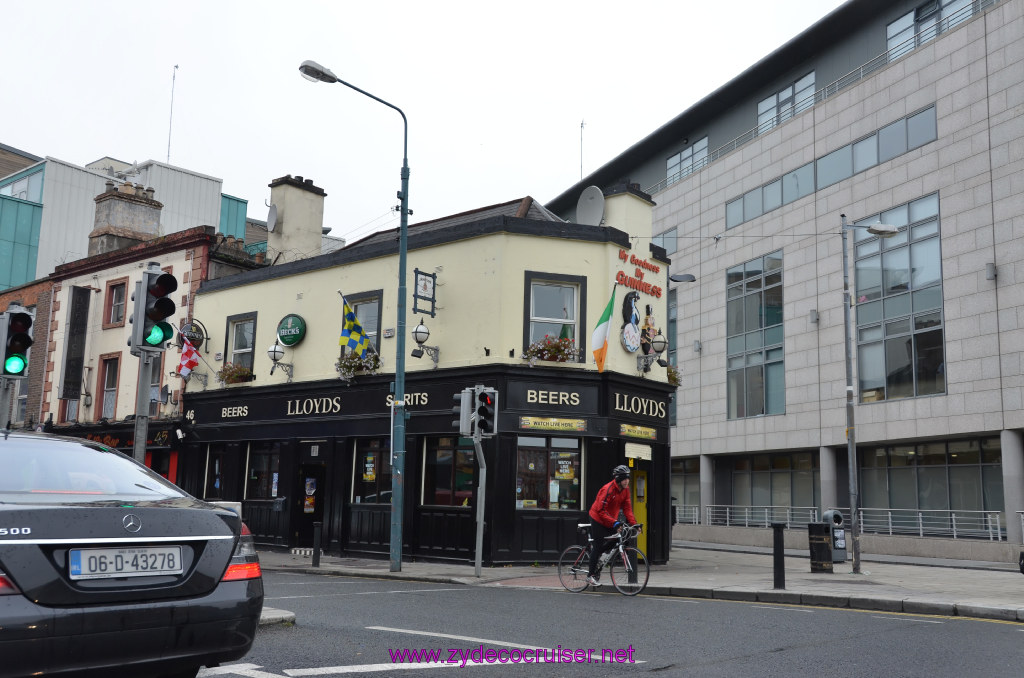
point(620, 472)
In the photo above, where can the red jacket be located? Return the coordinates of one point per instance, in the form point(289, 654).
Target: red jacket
point(611, 499)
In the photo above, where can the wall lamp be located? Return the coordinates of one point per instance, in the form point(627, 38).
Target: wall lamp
point(275, 353)
point(420, 334)
point(658, 345)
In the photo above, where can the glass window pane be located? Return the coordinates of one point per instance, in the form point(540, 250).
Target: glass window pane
point(798, 183)
point(243, 335)
point(736, 361)
point(734, 275)
point(874, 488)
point(871, 368)
point(734, 213)
point(892, 141)
point(931, 454)
point(755, 358)
point(903, 456)
point(735, 394)
point(752, 311)
point(927, 299)
point(897, 306)
point(898, 327)
point(735, 345)
point(927, 266)
point(903, 488)
point(755, 340)
point(773, 354)
point(992, 488)
point(564, 480)
point(773, 195)
point(904, 22)
point(755, 390)
point(835, 166)
point(773, 335)
point(868, 274)
point(926, 229)
point(897, 216)
point(752, 204)
point(896, 272)
point(553, 301)
point(865, 154)
point(773, 261)
point(734, 317)
point(868, 314)
point(766, 105)
point(899, 369)
point(932, 489)
point(921, 128)
point(965, 452)
point(925, 207)
point(927, 320)
point(532, 490)
point(870, 334)
point(931, 366)
point(965, 488)
point(775, 388)
point(773, 306)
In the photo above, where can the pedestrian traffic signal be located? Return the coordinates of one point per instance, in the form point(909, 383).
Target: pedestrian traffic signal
point(15, 342)
point(464, 409)
point(486, 405)
point(150, 331)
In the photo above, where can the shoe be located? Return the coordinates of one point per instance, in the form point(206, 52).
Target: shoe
point(593, 581)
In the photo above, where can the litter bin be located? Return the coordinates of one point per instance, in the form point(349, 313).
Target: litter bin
point(834, 519)
point(819, 539)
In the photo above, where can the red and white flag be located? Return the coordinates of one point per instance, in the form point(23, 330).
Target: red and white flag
point(189, 358)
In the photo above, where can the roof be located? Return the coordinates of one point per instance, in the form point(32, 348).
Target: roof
point(825, 33)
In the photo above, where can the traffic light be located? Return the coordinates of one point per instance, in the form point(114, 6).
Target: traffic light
point(152, 307)
point(464, 409)
point(486, 405)
point(15, 340)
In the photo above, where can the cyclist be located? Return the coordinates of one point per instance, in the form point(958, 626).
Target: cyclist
point(604, 514)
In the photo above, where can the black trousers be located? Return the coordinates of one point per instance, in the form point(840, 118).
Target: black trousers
point(601, 545)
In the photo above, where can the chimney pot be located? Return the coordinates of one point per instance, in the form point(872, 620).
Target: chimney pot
point(298, 178)
point(308, 181)
point(150, 191)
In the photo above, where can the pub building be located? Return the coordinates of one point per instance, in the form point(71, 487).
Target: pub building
point(310, 442)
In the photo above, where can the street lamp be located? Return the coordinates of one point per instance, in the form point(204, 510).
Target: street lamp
point(276, 353)
point(314, 72)
point(420, 334)
point(658, 345)
point(882, 231)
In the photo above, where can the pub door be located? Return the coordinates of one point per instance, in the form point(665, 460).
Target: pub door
point(639, 499)
point(310, 498)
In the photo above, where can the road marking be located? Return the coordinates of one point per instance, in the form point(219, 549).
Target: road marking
point(247, 670)
point(785, 609)
point(923, 621)
point(365, 593)
point(451, 637)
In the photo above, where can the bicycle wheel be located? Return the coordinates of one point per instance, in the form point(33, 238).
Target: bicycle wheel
point(630, 575)
point(573, 567)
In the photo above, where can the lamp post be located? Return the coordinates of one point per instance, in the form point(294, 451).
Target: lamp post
point(882, 231)
point(314, 72)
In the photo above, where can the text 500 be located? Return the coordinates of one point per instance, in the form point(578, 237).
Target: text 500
point(4, 531)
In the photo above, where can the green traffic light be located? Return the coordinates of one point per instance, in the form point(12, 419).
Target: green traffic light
point(159, 333)
point(14, 364)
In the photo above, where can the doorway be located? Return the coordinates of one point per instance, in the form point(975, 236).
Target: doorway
point(639, 499)
point(310, 499)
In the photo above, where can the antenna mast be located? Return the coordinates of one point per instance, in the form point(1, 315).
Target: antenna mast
point(171, 121)
point(581, 150)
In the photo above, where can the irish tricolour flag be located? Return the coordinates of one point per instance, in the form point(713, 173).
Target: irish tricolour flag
point(599, 340)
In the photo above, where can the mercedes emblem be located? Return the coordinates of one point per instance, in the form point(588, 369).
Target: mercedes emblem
point(132, 523)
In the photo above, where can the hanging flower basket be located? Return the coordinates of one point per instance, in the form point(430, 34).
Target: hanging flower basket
point(553, 350)
point(234, 374)
point(351, 364)
point(672, 372)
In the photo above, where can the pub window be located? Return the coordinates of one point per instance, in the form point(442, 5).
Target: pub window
point(367, 308)
point(548, 473)
point(372, 482)
point(215, 473)
point(449, 474)
point(109, 382)
point(240, 333)
point(117, 292)
point(553, 308)
point(264, 471)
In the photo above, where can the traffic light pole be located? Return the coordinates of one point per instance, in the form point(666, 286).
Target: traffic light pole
point(481, 492)
point(6, 387)
point(142, 397)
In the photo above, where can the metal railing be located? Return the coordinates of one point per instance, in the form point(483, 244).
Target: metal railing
point(688, 514)
point(933, 523)
point(759, 516)
point(832, 88)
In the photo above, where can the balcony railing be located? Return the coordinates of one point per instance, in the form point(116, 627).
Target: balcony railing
point(688, 514)
point(833, 88)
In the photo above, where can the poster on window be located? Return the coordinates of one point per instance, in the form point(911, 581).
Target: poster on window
point(370, 468)
point(565, 468)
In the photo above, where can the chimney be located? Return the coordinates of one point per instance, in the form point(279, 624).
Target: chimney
point(125, 216)
point(300, 217)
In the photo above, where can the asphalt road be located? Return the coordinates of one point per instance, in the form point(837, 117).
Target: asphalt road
point(351, 626)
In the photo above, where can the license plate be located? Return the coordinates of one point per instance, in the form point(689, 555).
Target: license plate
point(138, 561)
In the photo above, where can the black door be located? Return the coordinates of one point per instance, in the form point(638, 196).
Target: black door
point(310, 498)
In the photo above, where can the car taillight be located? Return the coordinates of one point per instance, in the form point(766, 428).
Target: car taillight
point(7, 586)
point(245, 563)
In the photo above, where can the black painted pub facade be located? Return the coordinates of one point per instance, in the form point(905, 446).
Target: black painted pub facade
point(295, 454)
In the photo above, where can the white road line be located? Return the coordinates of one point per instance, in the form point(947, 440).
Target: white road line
point(247, 670)
point(448, 635)
point(785, 609)
point(364, 593)
point(901, 618)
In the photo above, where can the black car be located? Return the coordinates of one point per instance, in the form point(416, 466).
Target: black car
point(106, 566)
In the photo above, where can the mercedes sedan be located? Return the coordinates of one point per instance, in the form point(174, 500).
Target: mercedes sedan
point(108, 568)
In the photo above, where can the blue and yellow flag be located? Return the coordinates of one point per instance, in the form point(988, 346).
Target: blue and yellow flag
point(352, 334)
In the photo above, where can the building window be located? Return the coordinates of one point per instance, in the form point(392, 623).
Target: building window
point(114, 304)
point(784, 104)
point(686, 161)
point(264, 470)
point(924, 23)
point(449, 475)
point(554, 306)
point(367, 307)
point(667, 240)
point(241, 334)
point(108, 380)
point(898, 292)
point(779, 481)
point(372, 482)
point(69, 411)
point(548, 474)
point(29, 187)
point(755, 355)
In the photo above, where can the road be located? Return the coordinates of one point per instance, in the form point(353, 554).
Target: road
point(351, 626)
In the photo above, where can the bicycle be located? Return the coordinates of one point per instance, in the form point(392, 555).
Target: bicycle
point(627, 564)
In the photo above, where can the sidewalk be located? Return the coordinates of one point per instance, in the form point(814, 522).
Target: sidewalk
point(701, 570)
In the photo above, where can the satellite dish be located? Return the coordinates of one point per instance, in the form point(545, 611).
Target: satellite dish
point(272, 218)
point(590, 207)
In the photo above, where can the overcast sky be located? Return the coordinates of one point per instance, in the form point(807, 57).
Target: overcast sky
point(494, 92)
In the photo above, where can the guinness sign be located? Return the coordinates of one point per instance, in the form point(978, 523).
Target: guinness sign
point(193, 331)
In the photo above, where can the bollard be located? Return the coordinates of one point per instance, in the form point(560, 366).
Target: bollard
point(779, 555)
point(317, 526)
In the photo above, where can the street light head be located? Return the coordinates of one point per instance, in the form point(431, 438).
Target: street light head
point(682, 277)
point(314, 72)
point(420, 334)
point(883, 230)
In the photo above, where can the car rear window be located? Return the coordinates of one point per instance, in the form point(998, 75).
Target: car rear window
point(43, 470)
